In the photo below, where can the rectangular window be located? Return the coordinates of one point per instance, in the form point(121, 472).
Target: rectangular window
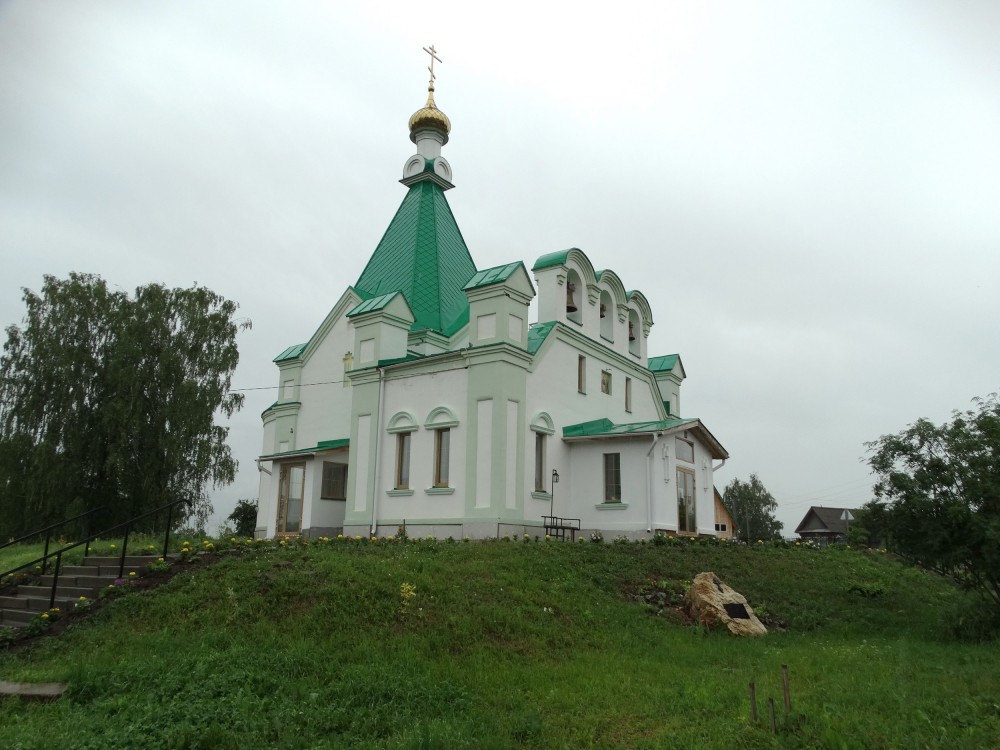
point(403, 461)
point(606, 382)
point(685, 451)
point(442, 441)
point(612, 478)
point(628, 395)
point(539, 462)
point(334, 485)
point(720, 527)
point(686, 512)
point(581, 374)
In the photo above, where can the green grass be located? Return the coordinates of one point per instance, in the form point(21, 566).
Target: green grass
point(511, 645)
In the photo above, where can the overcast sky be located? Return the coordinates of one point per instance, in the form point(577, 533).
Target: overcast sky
point(808, 193)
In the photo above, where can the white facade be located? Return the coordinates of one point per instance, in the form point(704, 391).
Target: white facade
point(426, 398)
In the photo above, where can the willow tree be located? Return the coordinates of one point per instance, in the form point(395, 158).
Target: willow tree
point(111, 400)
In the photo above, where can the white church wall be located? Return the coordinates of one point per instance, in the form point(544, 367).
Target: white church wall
point(326, 409)
point(420, 396)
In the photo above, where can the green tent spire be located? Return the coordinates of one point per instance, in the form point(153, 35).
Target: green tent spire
point(423, 255)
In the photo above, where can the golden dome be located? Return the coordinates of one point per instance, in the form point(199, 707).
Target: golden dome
point(429, 116)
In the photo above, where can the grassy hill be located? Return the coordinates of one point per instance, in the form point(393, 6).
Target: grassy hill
point(503, 644)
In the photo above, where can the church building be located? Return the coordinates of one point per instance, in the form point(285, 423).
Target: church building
point(427, 399)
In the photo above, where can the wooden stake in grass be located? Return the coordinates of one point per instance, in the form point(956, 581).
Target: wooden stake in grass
point(774, 725)
point(753, 703)
point(784, 686)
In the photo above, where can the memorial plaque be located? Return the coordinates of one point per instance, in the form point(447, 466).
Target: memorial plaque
point(737, 611)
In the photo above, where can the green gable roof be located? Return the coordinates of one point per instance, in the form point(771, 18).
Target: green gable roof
point(493, 275)
point(375, 303)
point(291, 352)
point(423, 255)
point(663, 364)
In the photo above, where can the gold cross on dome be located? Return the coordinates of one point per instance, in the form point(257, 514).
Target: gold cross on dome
point(433, 53)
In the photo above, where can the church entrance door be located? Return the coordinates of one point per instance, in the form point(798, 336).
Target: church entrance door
point(291, 483)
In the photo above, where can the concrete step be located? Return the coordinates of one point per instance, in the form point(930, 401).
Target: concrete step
point(130, 560)
point(93, 580)
point(16, 618)
point(68, 592)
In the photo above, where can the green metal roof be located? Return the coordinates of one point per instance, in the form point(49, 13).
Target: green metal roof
point(493, 275)
point(370, 305)
point(600, 427)
point(663, 364)
point(423, 255)
point(537, 334)
point(552, 259)
point(291, 352)
point(322, 445)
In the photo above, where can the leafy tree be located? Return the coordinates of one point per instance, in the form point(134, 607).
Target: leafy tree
point(937, 495)
point(244, 517)
point(753, 509)
point(110, 400)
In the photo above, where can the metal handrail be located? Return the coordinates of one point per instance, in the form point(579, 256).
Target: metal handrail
point(169, 507)
point(48, 532)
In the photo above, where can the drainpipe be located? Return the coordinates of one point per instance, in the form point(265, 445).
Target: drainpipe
point(716, 468)
point(261, 468)
point(378, 444)
point(649, 482)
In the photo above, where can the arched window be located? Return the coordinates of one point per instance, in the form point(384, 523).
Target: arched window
point(607, 317)
point(574, 297)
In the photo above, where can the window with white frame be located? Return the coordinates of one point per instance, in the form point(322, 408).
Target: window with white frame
point(685, 450)
point(334, 485)
point(606, 381)
point(542, 426)
point(403, 460)
point(442, 442)
point(441, 421)
point(628, 395)
point(581, 374)
point(612, 478)
point(540, 461)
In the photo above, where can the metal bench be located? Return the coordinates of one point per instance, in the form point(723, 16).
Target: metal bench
point(556, 527)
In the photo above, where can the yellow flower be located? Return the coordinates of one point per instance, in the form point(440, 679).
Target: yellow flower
point(340, 536)
point(282, 543)
point(54, 609)
point(131, 574)
point(82, 599)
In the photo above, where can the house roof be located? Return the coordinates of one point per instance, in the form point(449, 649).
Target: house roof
point(605, 428)
point(557, 258)
point(664, 363)
point(291, 352)
point(423, 255)
point(322, 445)
point(820, 519)
point(492, 275)
point(375, 303)
point(537, 334)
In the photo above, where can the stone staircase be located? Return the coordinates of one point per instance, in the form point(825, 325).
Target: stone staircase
point(88, 579)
